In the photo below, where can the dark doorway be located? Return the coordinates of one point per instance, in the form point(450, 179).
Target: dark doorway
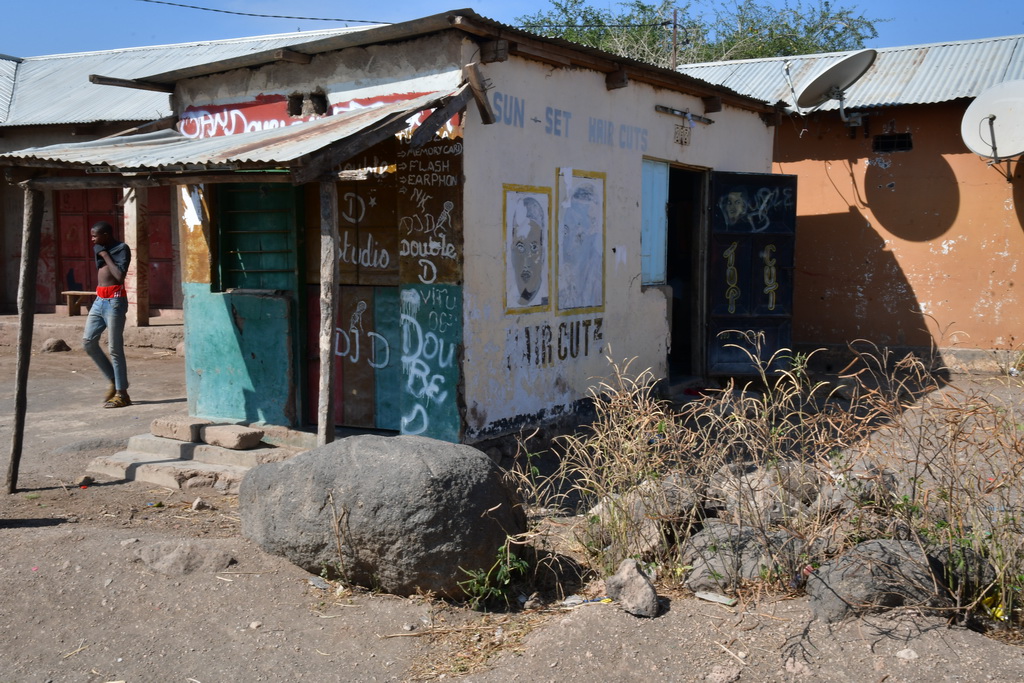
point(685, 212)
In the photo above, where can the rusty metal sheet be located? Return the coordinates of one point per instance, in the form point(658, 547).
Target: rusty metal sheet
point(171, 151)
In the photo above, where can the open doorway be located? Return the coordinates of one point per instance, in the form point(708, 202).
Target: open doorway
point(685, 239)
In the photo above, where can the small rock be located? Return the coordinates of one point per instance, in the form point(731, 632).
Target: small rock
point(318, 582)
point(795, 666)
point(107, 583)
point(533, 602)
point(200, 504)
point(907, 655)
point(723, 674)
point(54, 345)
point(631, 588)
point(180, 558)
point(572, 601)
point(129, 541)
point(409, 627)
point(253, 625)
point(84, 480)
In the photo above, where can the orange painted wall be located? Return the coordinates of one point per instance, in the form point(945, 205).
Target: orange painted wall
point(907, 247)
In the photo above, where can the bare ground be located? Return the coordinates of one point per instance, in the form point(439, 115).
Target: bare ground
point(76, 605)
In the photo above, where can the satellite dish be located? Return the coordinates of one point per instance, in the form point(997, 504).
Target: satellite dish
point(832, 83)
point(993, 125)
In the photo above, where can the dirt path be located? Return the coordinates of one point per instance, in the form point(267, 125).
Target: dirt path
point(77, 605)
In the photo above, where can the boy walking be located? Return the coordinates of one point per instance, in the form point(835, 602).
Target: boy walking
point(109, 312)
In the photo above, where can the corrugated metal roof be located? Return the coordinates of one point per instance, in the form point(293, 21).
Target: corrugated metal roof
point(914, 74)
point(169, 150)
point(464, 19)
point(8, 67)
point(55, 89)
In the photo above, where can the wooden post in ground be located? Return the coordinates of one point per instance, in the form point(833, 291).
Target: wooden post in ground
point(136, 235)
point(329, 276)
point(31, 230)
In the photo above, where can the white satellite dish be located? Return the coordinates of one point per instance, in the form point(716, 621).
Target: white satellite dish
point(832, 83)
point(993, 125)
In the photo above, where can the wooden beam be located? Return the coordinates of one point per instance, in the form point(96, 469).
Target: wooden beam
point(466, 24)
point(31, 231)
point(494, 51)
point(477, 81)
point(125, 83)
point(284, 55)
point(616, 79)
point(159, 124)
point(329, 276)
point(321, 163)
point(425, 133)
point(541, 54)
point(712, 104)
point(104, 182)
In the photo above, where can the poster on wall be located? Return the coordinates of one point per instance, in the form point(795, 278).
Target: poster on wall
point(527, 235)
point(580, 240)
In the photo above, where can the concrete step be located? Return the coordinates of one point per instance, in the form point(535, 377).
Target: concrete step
point(201, 452)
point(185, 465)
point(170, 473)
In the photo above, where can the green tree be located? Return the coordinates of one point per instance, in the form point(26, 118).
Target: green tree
point(670, 33)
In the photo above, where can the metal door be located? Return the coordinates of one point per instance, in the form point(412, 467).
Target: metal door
point(750, 274)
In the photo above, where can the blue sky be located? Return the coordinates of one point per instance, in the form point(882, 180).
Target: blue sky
point(36, 27)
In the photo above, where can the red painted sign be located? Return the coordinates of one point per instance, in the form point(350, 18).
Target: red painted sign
point(270, 111)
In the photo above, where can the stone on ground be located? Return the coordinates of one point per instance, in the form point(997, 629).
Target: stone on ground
point(724, 555)
point(399, 514)
point(54, 345)
point(876, 574)
point(174, 559)
point(631, 588)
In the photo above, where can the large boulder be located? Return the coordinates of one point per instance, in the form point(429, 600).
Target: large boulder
point(875, 575)
point(723, 556)
point(399, 514)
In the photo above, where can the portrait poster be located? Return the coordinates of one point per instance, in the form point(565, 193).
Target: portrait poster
point(527, 235)
point(580, 240)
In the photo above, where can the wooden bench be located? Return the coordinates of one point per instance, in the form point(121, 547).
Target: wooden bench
point(75, 301)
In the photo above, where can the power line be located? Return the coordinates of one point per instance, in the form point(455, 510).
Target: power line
point(263, 16)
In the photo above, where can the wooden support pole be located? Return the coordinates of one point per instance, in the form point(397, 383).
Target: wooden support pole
point(26, 311)
point(136, 234)
point(329, 276)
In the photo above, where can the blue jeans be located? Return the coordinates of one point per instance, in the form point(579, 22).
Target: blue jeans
point(109, 315)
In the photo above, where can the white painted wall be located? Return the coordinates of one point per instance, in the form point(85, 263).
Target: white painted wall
point(549, 120)
point(426, 64)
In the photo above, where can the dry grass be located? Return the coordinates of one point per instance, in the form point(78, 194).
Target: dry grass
point(883, 450)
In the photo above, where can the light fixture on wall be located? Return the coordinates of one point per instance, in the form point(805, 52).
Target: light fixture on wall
point(993, 125)
point(832, 84)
